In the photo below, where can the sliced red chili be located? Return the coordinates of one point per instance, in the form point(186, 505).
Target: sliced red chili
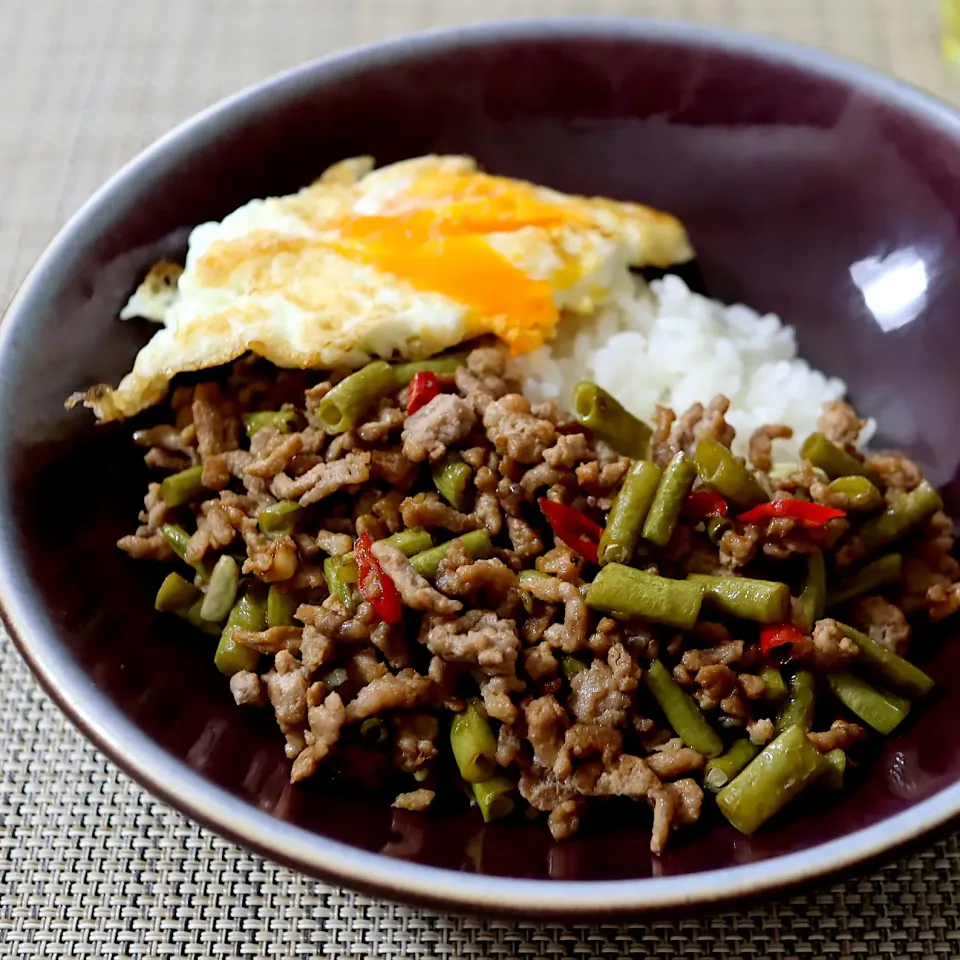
point(573, 528)
point(777, 635)
point(813, 513)
point(423, 388)
point(375, 586)
point(702, 504)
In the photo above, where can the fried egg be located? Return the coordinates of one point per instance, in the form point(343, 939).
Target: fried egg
point(403, 261)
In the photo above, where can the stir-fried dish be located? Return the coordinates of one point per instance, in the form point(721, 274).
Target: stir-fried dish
point(415, 559)
point(434, 519)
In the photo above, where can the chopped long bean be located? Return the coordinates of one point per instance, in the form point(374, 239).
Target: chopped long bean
point(280, 608)
point(781, 771)
point(610, 421)
point(911, 511)
point(720, 470)
point(410, 542)
point(628, 513)
point(721, 770)
point(451, 477)
point(833, 460)
point(493, 797)
point(869, 578)
point(175, 594)
point(774, 689)
point(476, 543)
point(889, 667)
point(222, 589)
point(337, 584)
point(248, 613)
point(813, 597)
point(280, 420)
point(682, 713)
point(717, 527)
point(626, 593)
point(879, 709)
point(334, 678)
point(192, 616)
point(347, 402)
point(374, 730)
point(179, 539)
point(279, 518)
point(765, 601)
point(832, 778)
point(672, 488)
point(473, 744)
point(570, 666)
point(405, 372)
point(858, 493)
point(182, 487)
point(801, 702)
point(526, 597)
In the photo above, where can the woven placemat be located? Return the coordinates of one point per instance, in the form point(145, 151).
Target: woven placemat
point(90, 865)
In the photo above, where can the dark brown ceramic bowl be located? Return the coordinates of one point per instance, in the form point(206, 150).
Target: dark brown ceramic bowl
point(810, 187)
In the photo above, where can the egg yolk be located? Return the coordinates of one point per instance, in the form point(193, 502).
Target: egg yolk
point(433, 237)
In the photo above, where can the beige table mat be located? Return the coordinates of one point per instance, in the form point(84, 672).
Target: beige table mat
point(90, 865)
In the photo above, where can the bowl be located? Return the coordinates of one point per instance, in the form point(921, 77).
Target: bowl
point(810, 187)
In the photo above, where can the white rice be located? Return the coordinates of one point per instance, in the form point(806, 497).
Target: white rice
point(664, 344)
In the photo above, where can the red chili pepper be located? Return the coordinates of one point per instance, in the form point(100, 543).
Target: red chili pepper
point(777, 635)
point(703, 504)
point(813, 513)
point(572, 527)
point(423, 388)
point(375, 586)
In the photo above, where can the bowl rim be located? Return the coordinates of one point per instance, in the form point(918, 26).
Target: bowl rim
point(212, 806)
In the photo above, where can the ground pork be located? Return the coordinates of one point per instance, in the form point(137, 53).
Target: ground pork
point(323, 480)
point(568, 451)
point(539, 662)
point(584, 740)
point(481, 379)
point(402, 691)
point(515, 432)
point(479, 637)
point(413, 742)
point(334, 544)
point(214, 531)
point(829, 648)
point(460, 576)
point(761, 731)
point(415, 591)
point(546, 725)
point(897, 472)
point(674, 804)
point(761, 444)
point(509, 745)
point(445, 420)
point(737, 548)
point(270, 641)
point(247, 689)
point(839, 422)
point(496, 692)
point(563, 821)
point(272, 452)
point(325, 721)
point(884, 622)
point(524, 539)
point(417, 800)
point(603, 692)
point(716, 682)
point(675, 761)
point(726, 652)
point(387, 418)
point(571, 635)
point(147, 545)
point(428, 511)
point(841, 736)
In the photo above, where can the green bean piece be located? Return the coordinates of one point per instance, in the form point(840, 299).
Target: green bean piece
point(248, 613)
point(527, 598)
point(629, 510)
point(570, 667)
point(282, 420)
point(405, 372)
point(476, 543)
point(374, 730)
point(279, 518)
point(182, 487)
point(801, 702)
point(493, 797)
point(870, 578)
point(473, 744)
point(178, 538)
point(222, 590)
point(334, 678)
point(912, 510)
point(421, 775)
point(347, 402)
point(765, 601)
point(280, 608)
point(337, 584)
point(682, 713)
point(832, 778)
point(774, 689)
point(721, 770)
point(626, 593)
point(833, 460)
point(410, 542)
point(858, 493)
point(609, 420)
point(877, 708)
point(192, 616)
point(813, 597)
point(888, 667)
point(674, 485)
point(451, 477)
point(781, 771)
point(720, 470)
point(717, 527)
point(174, 594)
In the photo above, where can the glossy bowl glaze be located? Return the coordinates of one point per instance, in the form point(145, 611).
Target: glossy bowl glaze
point(810, 187)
